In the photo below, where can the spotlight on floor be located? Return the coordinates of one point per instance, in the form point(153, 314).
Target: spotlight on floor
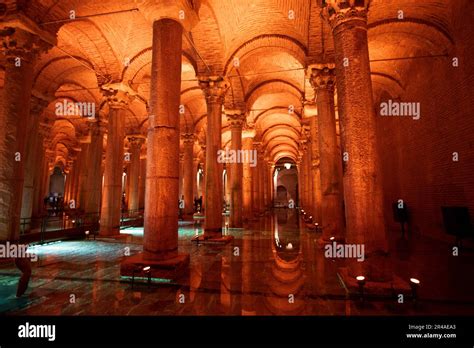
point(361, 282)
point(331, 239)
point(415, 284)
point(289, 246)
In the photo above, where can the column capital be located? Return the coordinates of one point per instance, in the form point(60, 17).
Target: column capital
point(182, 11)
point(322, 76)
point(18, 42)
point(118, 95)
point(214, 88)
point(235, 117)
point(136, 140)
point(337, 12)
point(188, 138)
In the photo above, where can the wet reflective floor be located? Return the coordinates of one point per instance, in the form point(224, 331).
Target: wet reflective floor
point(273, 267)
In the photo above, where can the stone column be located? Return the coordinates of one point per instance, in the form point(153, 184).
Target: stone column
point(195, 175)
point(214, 90)
point(162, 174)
point(236, 119)
point(261, 178)
point(21, 50)
point(136, 142)
point(40, 187)
point(362, 182)
point(34, 152)
point(300, 178)
point(203, 184)
point(118, 99)
point(304, 176)
point(247, 145)
point(83, 171)
point(93, 186)
point(322, 78)
point(315, 194)
point(271, 186)
point(188, 140)
point(76, 174)
point(69, 174)
point(141, 194)
point(181, 171)
point(255, 179)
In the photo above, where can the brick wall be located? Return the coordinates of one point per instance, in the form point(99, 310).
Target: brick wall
point(417, 155)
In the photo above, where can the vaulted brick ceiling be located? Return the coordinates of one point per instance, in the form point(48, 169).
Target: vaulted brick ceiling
point(253, 43)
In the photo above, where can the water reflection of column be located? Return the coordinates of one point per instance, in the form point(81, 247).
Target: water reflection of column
point(248, 299)
point(286, 276)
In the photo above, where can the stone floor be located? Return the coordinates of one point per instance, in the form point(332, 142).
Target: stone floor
point(273, 267)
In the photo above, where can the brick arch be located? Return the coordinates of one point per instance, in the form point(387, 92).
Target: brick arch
point(93, 44)
point(208, 40)
point(270, 41)
point(143, 58)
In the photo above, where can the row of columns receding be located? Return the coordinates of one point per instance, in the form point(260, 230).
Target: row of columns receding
point(321, 179)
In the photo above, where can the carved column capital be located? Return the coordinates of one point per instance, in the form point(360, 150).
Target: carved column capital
point(188, 138)
point(322, 76)
point(118, 95)
point(214, 88)
point(236, 118)
point(337, 12)
point(136, 140)
point(19, 43)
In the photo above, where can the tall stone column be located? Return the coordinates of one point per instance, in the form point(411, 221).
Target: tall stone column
point(141, 194)
point(214, 90)
point(160, 242)
point(304, 175)
point(162, 174)
point(93, 191)
point(40, 188)
point(203, 184)
point(195, 176)
point(261, 178)
point(256, 179)
point(247, 146)
point(136, 141)
point(83, 171)
point(236, 119)
point(34, 154)
point(76, 175)
point(181, 171)
point(362, 182)
point(322, 78)
point(266, 181)
point(315, 194)
point(188, 140)
point(69, 174)
point(299, 168)
point(21, 49)
point(271, 186)
point(118, 99)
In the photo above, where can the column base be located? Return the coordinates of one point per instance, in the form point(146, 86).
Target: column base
point(212, 239)
point(109, 232)
point(375, 289)
point(173, 268)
